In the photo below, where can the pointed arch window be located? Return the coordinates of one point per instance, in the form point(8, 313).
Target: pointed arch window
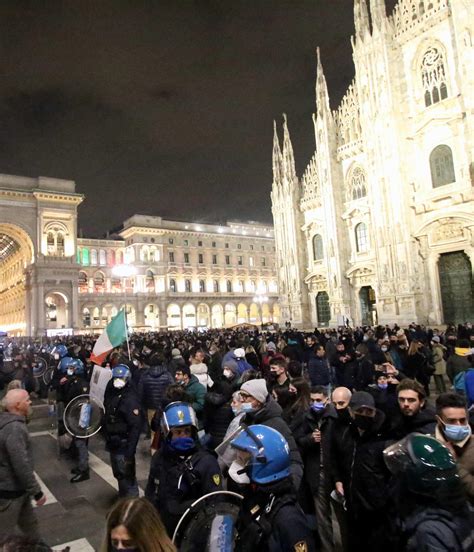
point(362, 238)
point(318, 250)
point(441, 166)
point(433, 76)
point(358, 185)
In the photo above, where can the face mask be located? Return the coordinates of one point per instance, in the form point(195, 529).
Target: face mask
point(182, 444)
point(70, 371)
point(235, 410)
point(247, 407)
point(240, 478)
point(135, 362)
point(343, 414)
point(317, 407)
point(363, 422)
point(384, 349)
point(228, 374)
point(365, 338)
point(382, 385)
point(56, 356)
point(456, 433)
point(119, 383)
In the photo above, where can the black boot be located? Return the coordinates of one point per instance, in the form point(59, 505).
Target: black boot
point(75, 471)
point(80, 476)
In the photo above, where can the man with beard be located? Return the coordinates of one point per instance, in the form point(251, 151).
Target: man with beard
point(412, 415)
point(313, 437)
point(18, 484)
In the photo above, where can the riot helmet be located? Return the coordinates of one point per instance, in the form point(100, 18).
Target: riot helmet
point(75, 367)
point(425, 465)
point(120, 376)
point(267, 454)
point(59, 351)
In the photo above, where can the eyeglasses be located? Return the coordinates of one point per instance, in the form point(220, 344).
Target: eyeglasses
point(244, 397)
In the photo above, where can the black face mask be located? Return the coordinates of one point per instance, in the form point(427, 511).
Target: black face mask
point(343, 414)
point(363, 422)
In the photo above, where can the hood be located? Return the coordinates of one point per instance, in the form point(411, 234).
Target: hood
point(7, 418)
point(193, 381)
point(157, 371)
point(198, 368)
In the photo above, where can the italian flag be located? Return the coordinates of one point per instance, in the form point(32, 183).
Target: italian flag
point(114, 335)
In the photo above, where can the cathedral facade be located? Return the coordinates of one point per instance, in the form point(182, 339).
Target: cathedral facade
point(379, 228)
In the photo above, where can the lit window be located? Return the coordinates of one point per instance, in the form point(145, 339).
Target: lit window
point(240, 260)
point(93, 256)
point(362, 239)
point(251, 263)
point(441, 166)
point(85, 256)
point(433, 75)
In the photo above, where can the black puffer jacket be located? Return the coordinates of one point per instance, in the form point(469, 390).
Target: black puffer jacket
point(270, 415)
point(217, 410)
point(152, 387)
point(357, 461)
point(422, 422)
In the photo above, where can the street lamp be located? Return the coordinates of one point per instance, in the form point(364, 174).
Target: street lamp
point(260, 298)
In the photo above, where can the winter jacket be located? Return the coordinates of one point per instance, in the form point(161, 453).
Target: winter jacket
point(438, 359)
point(270, 415)
point(217, 411)
point(437, 530)
point(197, 392)
point(318, 370)
point(201, 372)
point(311, 451)
point(16, 462)
point(363, 373)
point(152, 387)
point(422, 422)
point(455, 365)
point(357, 461)
point(464, 452)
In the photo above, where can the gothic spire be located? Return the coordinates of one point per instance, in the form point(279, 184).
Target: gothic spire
point(288, 156)
point(378, 13)
point(361, 19)
point(322, 95)
point(277, 157)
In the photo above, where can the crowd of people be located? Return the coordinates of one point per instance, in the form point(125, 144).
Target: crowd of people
point(337, 439)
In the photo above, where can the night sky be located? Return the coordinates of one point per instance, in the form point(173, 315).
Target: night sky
point(164, 107)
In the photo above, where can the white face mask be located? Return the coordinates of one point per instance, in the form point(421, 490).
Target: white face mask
point(119, 383)
point(70, 371)
point(56, 356)
point(228, 373)
point(240, 478)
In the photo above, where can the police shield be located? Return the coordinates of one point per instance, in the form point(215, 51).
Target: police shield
point(83, 416)
point(209, 524)
point(39, 367)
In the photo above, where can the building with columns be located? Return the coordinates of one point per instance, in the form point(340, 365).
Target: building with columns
point(185, 274)
point(380, 225)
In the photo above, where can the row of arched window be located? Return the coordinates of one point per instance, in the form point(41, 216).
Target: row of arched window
point(101, 257)
point(216, 286)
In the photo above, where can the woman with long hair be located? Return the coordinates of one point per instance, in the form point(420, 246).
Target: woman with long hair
point(134, 524)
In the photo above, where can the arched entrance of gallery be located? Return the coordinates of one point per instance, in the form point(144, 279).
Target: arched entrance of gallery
point(56, 308)
point(16, 253)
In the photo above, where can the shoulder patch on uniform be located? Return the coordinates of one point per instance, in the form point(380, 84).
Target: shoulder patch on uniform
point(301, 547)
point(217, 479)
point(136, 412)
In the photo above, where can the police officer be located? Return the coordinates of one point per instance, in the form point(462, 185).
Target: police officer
point(182, 470)
point(73, 384)
point(271, 518)
point(122, 424)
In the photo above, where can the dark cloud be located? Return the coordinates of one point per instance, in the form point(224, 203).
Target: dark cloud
point(164, 107)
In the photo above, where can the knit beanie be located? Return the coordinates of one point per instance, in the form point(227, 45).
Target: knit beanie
point(256, 388)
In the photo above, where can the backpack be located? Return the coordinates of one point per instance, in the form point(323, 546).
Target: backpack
point(463, 384)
